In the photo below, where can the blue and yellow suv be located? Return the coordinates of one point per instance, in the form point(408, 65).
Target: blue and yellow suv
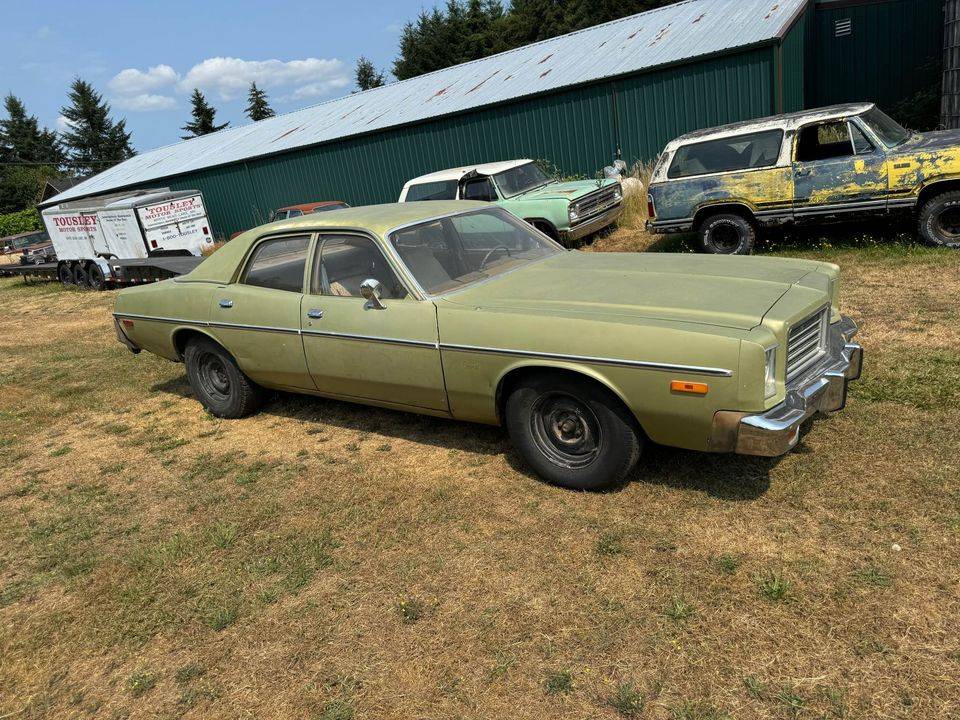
point(830, 164)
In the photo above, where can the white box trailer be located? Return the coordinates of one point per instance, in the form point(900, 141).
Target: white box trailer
point(129, 237)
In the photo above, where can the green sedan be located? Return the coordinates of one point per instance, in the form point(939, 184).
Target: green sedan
point(460, 310)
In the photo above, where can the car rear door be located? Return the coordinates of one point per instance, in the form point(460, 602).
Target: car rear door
point(257, 318)
point(355, 350)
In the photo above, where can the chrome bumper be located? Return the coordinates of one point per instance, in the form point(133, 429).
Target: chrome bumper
point(591, 225)
point(823, 389)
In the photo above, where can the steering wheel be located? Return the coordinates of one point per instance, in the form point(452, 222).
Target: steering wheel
point(483, 263)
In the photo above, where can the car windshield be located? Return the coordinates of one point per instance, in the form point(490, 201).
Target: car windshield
point(890, 132)
point(452, 252)
point(521, 179)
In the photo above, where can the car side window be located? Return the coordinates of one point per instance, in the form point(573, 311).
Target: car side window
point(861, 143)
point(440, 190)
point(345, 261)
point(739, 152)
point(278, 215)
point(825, 141)
point(278, 264)
point(294, 213)
point(479, 189)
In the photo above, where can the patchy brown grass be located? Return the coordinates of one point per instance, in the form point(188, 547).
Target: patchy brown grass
point(322, 560)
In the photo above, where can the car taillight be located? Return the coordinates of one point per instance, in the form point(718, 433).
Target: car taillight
point(651, 213)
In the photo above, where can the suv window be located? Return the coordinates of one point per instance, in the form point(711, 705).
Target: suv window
point(479, 189)
point(440, 190)
point(345, 261)
point(279, 264)
point(835, 139)
point(740, 152)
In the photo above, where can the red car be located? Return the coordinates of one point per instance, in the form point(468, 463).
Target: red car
point(292, 211)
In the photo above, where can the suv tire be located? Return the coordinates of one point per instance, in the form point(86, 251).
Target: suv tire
point(939, 220)
point(572, 432)
point(218, 383)
point(726, 234)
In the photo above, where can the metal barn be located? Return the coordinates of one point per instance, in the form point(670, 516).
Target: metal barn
point(626, 86)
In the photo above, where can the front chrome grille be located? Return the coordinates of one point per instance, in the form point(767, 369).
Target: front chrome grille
point(597, 201)
point(807, 342)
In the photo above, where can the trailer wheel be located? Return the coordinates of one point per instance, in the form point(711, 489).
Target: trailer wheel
point(95, 278)
point(79, 275)
point(64, 274)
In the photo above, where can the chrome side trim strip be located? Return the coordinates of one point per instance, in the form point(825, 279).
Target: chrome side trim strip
point(372, 338)
point(261, 328)
point(158, 319)
point(668, 367)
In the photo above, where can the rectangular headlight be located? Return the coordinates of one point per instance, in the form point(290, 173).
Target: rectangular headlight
point(770, 373)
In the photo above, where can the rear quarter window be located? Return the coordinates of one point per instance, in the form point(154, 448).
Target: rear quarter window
point(440, 190)
point(738, 152)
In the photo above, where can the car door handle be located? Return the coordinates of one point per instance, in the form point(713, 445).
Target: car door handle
point(315, 314)
point(226, 304)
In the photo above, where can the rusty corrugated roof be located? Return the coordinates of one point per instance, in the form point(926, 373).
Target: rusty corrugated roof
point(658, 37)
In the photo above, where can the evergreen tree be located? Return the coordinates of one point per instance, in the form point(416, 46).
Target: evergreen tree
point(257, 106)
point(29, 156)
point(367, 75)
point(94, 141)
point(203, 117)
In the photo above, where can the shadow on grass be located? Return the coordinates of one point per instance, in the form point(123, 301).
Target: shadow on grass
point(727, 477)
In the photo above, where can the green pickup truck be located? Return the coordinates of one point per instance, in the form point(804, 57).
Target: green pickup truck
point(831, 164)
point(564, 211)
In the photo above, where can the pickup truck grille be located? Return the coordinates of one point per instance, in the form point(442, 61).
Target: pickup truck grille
point(596, 202)
point(807, 342)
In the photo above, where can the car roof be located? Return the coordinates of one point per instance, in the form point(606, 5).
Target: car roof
point(458, 172)
point(787, 121)
point(377, 219)
point(23, 234)
point(307, 207)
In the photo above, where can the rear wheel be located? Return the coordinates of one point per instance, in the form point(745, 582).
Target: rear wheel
point(64, 274)
point(726, 234)
point(939, 220)
point(79, 275)
point(571, 431)
point(95, 277)
point(219, 384)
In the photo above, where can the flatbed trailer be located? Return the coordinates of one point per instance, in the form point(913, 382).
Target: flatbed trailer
point(129, 271)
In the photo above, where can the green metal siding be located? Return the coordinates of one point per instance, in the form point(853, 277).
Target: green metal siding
point(793, 65)
point(891, 53)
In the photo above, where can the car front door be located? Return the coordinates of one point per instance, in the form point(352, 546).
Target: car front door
point(837, 170)
point(257, 318)
point(357, 350)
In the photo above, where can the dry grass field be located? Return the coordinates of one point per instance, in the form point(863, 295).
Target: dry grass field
point(327, 561)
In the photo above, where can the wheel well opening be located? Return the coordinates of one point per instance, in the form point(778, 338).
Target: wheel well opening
point(183, 336)
point(931, 191)
point(545, 227)
point(731, 208)
point(509, 381)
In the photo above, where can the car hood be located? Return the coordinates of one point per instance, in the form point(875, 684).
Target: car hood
point(934, 140)
point(562, 191)
point(734, 292)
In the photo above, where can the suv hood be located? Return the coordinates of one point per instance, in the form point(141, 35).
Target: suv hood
point(733, 292)
point(572, 190)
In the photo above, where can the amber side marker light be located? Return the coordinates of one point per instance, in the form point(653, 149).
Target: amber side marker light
point(691, 388)
point(128, 323)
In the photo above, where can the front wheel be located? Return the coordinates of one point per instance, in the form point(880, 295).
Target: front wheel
point(219, 384)
point(571, 431)
point(939, 220)
point(726, 234)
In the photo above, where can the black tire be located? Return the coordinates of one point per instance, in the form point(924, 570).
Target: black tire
point(79, 275)
point(219, 385)
point(95, 277)
point(64, 274)
point(572, 431)
point(726, 234)
point(939, 220)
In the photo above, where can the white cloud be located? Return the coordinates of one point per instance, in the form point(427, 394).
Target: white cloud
point(145, 102)
point(231, 77)
point(63, 124)
point(44, 32)
point(130, 82)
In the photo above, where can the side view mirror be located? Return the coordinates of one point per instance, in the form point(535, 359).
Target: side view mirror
point(372, 291)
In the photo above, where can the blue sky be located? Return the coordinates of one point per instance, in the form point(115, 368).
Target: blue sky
point(145, 57)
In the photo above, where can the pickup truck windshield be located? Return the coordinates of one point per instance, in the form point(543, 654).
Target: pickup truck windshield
point(452, 252)
point(890, 132)
point(521, 179)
